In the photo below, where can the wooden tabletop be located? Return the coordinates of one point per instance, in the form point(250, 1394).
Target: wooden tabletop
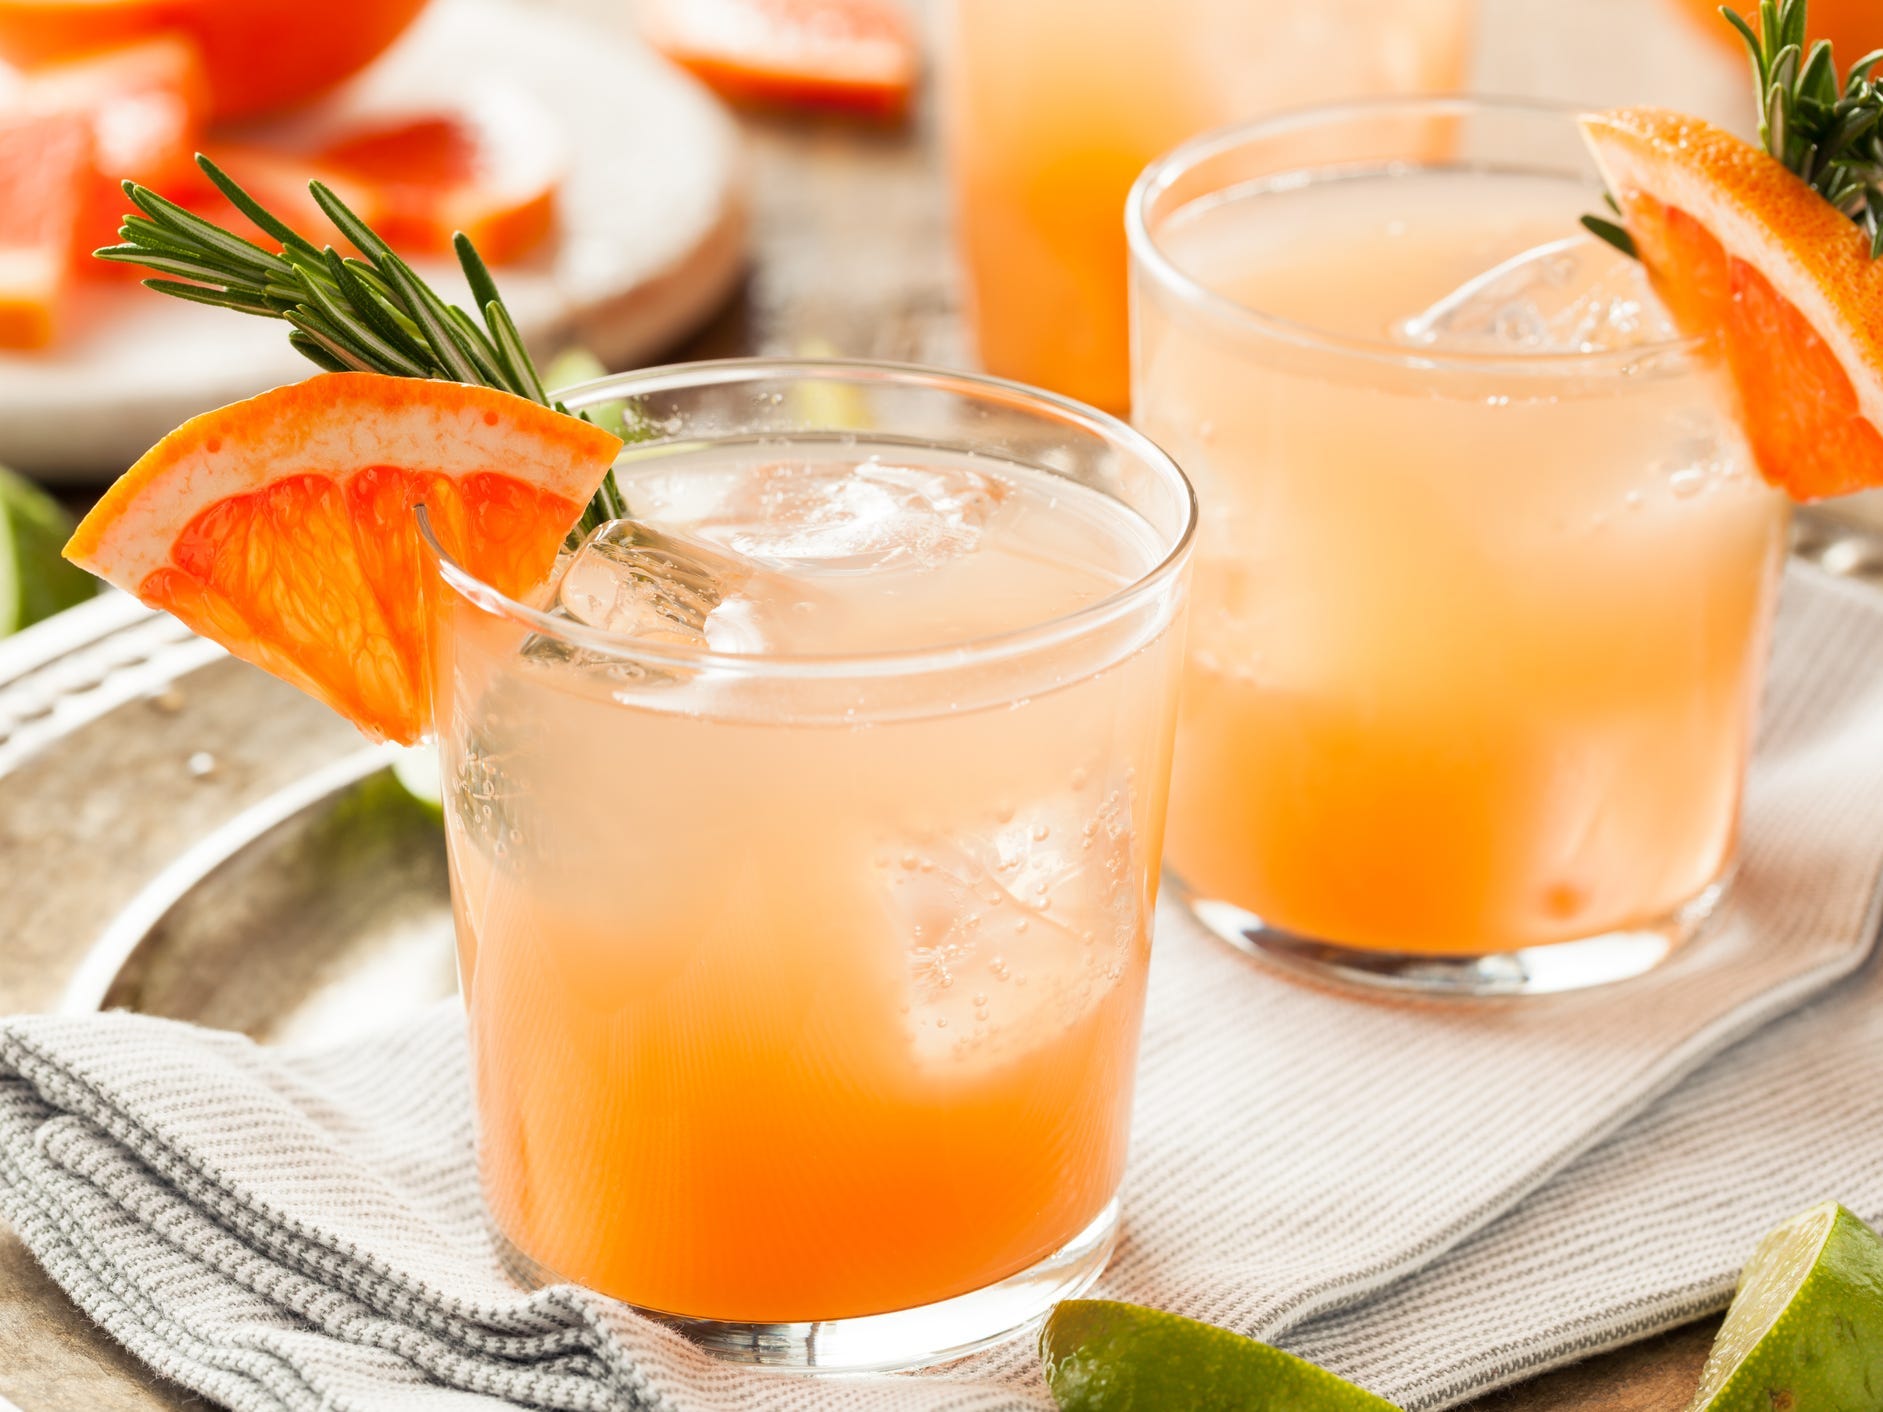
point(852, 257)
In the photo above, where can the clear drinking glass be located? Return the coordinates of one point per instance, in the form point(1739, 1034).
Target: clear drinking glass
point(805, 987)
point(1485, 571)
point(1052, 108)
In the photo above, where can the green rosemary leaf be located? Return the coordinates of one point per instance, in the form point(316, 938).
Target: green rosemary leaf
point(477, 273)
point(348, 359)
point(1817, 80)
point(359, 333)
point(476, 343)
point(369, 307)
point(1614, 234)
point(253, 209)
point(187, 267)
point(365, 239)
point(316, 354)
point(1751, 37)
point(387, 298)
point(431, 322)
point(515, 357)
point(201, 233)
point(220, 298)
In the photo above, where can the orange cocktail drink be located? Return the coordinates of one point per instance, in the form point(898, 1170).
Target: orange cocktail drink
point(1485, 569)
point(1052, 108)
point(804, 843)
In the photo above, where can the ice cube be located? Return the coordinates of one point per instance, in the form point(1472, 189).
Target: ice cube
point(1015, 928)
point(1575, 295)
point(635, 581)
point(661, 587)
point(854, 517)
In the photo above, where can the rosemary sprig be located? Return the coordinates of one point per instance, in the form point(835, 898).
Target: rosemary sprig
point(1826, 129)
point(347, 315)
point(1829, 132)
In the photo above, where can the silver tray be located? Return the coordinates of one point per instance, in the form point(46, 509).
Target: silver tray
point(183, 835)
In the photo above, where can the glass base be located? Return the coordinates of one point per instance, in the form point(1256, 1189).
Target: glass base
point(903, 1338)
point(1538, 970)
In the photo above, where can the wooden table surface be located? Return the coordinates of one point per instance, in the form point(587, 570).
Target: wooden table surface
point(851, 257)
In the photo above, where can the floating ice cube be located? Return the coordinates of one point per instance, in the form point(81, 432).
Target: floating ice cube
point(654, 586)
point(854, 517)
point(1015, 930)
point(1575, 295)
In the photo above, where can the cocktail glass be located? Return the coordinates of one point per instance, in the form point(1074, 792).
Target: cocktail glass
point(1484, 579)
point(804, 880)
point(1052, 108)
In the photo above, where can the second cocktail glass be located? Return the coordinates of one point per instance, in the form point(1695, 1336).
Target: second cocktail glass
point(803, 850)
point(1485, 571)
point(1052, 108)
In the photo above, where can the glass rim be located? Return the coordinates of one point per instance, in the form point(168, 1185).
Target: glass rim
point(1008, 643)
point(1166, 170)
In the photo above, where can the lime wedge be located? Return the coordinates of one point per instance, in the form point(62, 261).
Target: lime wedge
point(1103, 1356)
point(35, 582)
point(416, 770)
point(1805, 1330)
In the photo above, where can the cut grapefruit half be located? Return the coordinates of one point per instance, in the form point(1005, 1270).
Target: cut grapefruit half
point(1748, 256)
point(855, 56)
point(282, 527)
point(261, 55)
point(45, 175)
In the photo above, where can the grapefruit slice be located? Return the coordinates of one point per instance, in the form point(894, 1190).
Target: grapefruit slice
point(855, 56)
point(489, 168)
point(45, 174)
point(147, 103)
point(282, 526)
point(1747, 255)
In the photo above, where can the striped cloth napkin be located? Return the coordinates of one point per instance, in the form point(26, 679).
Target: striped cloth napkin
point(1431, 1198)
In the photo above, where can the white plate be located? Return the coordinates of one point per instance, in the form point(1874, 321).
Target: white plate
point(650, 237)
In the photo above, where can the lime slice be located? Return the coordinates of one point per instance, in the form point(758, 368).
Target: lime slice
point(1103, 1356)
point(35, 582)
point(1805, 1330)
point(416, 769)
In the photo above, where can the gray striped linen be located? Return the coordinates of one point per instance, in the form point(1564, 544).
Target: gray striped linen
point(1432, 1198)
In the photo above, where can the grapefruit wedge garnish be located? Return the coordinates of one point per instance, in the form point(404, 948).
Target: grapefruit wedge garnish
point(1747, 255)
point(283, 527)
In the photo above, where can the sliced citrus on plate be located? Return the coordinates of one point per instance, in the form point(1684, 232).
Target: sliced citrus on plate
point(45, 173)
point(855, 56)
point(1745, 253)
point(282, 527)
point(489, 168)
point(147, 102)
